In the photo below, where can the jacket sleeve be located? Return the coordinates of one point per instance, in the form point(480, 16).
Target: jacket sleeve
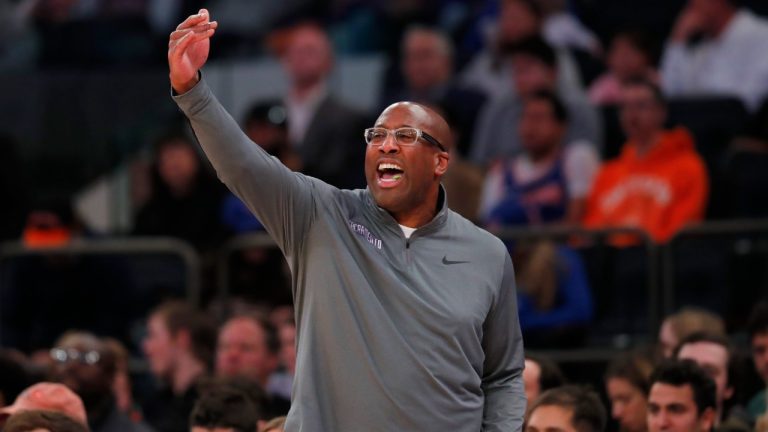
point(502, 380)
point(282, 200)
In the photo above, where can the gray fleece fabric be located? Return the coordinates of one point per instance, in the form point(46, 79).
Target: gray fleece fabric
point(393, 334)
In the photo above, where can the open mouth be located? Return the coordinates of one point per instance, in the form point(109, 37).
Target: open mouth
point(389, 173)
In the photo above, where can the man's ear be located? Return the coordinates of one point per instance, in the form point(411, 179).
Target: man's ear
point(707, 419)
point(442, 160)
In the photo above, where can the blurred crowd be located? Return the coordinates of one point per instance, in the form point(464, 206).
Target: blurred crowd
point(555, 125)
point(235, 374)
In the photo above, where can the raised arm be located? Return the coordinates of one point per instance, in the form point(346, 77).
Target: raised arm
point(282, 200)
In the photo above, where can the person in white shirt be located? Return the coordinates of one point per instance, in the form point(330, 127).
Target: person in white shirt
point(717, 48)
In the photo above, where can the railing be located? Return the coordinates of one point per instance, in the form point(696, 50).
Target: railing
point(660, 267)
point(121, 246)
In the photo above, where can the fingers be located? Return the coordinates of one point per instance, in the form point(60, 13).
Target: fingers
point(200, 28)
point(193, 20)
point(178, 47)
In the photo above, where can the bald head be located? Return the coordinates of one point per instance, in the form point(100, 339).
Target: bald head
point(424, 118)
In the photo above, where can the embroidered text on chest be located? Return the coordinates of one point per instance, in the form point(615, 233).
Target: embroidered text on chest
point(365, 233)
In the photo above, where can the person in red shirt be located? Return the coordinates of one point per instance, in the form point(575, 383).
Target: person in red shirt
point(658, 183)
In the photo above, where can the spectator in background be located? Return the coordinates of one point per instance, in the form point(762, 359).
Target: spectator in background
point(715, 355)
point(326, 133)
point(47, 396)
point(185, 197)
point(85, 364)
point(563, 30)
point(266, 124)
point(225, 407)
point(248, 348)
point(121, 385)
point(549, 181)
point(490, 70)
point(553, 296)
point(658, 183)
point(631, 56)
point(627, 382)
point(43, 421)
point(179, 346)
point(685, 322)
point(681, 399)
point(717, 48)
point(567, 409)
point(427, 66)
point(535, 69)
point(540, 374)
point(758, 338)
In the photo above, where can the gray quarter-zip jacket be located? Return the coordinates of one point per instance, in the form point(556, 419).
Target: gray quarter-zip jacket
point(393, 334)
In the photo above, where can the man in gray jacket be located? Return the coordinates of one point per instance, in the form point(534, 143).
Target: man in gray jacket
point(405, 312)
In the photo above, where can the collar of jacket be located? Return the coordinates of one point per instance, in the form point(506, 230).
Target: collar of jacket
point(387, 220)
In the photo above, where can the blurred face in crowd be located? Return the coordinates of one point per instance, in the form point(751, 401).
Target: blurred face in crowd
point(673, 409)
point(160, 347)
point(426, 60)
point(642, 116)
point(516, 22)
point(626, 60)
point(270, 137)
point(540, 130)
point(287, 336)
point(178, 165)
point(710, 12)
point(402, 179)
point(532, 380)
point(83, 364)
point(550, 418)
point(628, 405)
point(760, 354)
point(242, 351)
point(713, 358)
point(668, 339)
point(532, 75)
point(309, 57)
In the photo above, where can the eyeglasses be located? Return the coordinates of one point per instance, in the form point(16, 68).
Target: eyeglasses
point(405, 136)
point(65, 355)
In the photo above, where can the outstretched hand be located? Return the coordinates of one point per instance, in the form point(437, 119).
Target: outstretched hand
point(188, 50)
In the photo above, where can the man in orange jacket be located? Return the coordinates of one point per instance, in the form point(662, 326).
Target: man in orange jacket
point(658, 183)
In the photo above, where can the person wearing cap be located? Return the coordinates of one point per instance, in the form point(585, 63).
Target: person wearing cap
point(47, 396)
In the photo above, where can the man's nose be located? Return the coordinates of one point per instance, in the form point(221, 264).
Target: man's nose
point(390, 144)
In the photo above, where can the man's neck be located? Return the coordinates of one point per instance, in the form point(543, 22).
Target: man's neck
point(420, 215)
point(544, 156)
point(300, 92)
point(646, 143)
point(187, 371)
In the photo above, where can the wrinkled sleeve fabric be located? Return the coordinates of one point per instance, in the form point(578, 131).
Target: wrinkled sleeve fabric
point(282, 200)
point(502, 380)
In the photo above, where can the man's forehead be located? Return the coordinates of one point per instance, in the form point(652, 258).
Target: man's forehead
point(404, 114)
point(665, 394)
